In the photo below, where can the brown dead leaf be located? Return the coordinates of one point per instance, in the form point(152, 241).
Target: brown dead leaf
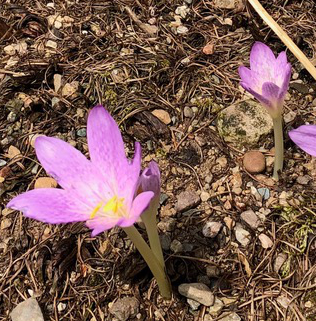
point(14, 152)
point(45, 182)
point(245, 263)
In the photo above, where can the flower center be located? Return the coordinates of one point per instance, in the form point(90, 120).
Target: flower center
point(111, 207)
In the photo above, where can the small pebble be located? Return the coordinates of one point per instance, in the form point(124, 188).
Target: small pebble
point(198, 292)
point(205, 196)
point(211, 229)
point(165, 241)
point(176, 246)
point(242, 235)
point(303, 180)
point(254, 162)
point(250, 218)
point(82, 132)
point(188, 112)
point(264, 192)
point(2, 162)
point(124, 308)
point(194, 305)
point(187, 200)
point(216, 308)
point(265, 240)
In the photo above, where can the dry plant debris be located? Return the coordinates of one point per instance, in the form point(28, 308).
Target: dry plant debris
point(164, 69)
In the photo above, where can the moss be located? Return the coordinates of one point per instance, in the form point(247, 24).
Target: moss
point(110, 97)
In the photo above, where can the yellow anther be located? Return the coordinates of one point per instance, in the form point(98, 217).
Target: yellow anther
point(113, 205)
point(96, 210)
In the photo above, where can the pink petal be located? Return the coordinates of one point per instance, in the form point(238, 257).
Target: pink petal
point(100, 224)
point(260, 97)
point(286, 80)
point(140, 203)
point(105, 142)
point(305, 137)
point(50, 205)
point(250, 78)
point(70, 168)
point(262, 60)
point(107, 153)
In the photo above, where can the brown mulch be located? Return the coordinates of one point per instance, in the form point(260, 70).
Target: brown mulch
point(111, 58)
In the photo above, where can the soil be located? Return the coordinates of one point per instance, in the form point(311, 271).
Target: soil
point(132, 57)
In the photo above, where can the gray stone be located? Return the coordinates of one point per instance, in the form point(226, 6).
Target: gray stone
point(198, 292)
point(125, 308)
point(250, 218)
point(167, 225)
point(176, 246)
point(187, 200)
point(82, 132)
point(231, 317)
point(2, 162)
point(303, 180)
point(28, 310)
point(244, 123)
point(242, 235)
point(165, 241)
point(188, 112)
point(194, 305)
point(216, 308)
point(264, 192)
point(211, 229)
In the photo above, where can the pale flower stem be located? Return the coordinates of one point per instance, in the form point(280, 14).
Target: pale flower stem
point(151, 260)
point(279, 146)
point(149, 219)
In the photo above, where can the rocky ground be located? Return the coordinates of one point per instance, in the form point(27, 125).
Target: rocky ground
point(237, 244)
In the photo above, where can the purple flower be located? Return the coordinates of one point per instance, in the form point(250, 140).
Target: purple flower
point(100, 191)
point(268, 77)
point(150, 181)
point(305, 138)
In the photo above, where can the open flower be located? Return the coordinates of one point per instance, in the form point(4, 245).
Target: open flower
point(268, 77)
point(100, 191)
point(305, 138)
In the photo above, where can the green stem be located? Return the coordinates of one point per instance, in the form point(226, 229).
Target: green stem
point(151, 260)
point(279, 148)
point(149, 219)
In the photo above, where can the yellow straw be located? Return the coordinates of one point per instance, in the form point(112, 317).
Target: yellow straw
point(284, 37)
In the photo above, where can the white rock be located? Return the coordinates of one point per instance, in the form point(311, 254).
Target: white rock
point(28, 310)
point(182, 30)
point(198, 292)
point(211, 229)
point(265, 240)
point(250, 218)
point(205, 196)
point(242, 235)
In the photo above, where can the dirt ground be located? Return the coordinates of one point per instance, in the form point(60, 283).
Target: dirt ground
point(60, 58)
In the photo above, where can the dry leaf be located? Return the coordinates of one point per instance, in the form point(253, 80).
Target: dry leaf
point(45, 182)
point(14, 152)
point(245, 262)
